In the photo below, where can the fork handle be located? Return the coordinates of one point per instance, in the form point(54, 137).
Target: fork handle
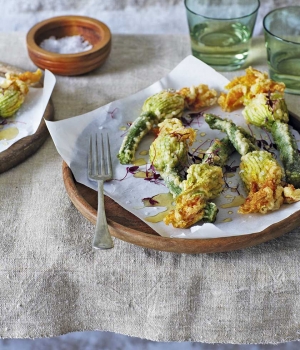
point(102, 238)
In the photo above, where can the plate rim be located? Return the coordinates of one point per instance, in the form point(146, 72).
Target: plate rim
point(176, 245)
point(27, 146)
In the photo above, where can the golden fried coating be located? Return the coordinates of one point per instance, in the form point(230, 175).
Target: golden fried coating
point(170, 148)
point(189, 209)
point(260, 167)
point(204, 182)
point(28, 77)
point(262, 176)
point(243, 88)
point(21, 82)
point(175, 128)
point(263, 199)
point(13, 91)
point(196, 97)
point(291, 194)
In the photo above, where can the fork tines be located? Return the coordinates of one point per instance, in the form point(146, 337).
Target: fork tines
point(99, 162)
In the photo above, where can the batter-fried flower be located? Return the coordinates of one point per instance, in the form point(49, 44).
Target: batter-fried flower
point(262, 176)
point(242, 89)
point(14, 89)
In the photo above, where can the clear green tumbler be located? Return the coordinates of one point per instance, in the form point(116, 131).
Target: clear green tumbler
point(221, 31)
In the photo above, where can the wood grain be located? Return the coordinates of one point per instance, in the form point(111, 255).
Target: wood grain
point(28, 145)
point(95, 32)
point(127, 227)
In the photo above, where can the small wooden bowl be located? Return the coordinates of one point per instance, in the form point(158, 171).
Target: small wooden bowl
point(92, 30)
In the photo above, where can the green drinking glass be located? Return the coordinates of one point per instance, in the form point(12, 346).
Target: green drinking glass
point(282, 39)
point(221, 31)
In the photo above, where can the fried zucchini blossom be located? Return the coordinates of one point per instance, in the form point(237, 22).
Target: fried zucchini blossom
point(269, 111)
point(244, 88)
point(13, 91)
point(169, 152)
point(204, 182)
point(262, 176)
point(166, 104)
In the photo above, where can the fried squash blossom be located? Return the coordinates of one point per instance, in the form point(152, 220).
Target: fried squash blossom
point(14, 89)
point(204, 182)
point(262, 176)
point(168, 153)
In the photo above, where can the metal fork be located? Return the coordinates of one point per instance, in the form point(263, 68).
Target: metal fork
point(100, 169)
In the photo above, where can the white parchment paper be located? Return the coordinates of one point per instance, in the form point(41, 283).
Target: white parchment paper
point(29, 116)
point(71, 139)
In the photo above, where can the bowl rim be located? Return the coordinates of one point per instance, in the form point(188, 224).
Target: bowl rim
point(32, 45)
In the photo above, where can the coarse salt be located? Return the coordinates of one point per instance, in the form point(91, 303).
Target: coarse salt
point(66, 45)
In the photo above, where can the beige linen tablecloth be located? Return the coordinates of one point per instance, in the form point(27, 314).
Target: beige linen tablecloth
point(52, 282)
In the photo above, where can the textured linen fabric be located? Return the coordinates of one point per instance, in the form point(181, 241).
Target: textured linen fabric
point(52, 282)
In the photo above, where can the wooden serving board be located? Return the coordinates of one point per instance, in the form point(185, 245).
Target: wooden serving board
point(127, 227)
point(28, 145)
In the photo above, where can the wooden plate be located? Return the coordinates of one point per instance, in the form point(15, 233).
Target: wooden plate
point(129, 228)
point(28, 145)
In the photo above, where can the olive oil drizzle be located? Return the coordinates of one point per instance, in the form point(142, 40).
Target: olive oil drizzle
point(163, 200)
point(236, 202)
point(9, 133)
point(139, 161)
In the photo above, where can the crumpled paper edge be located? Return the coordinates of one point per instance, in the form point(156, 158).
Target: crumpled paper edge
point(29, 116)
point(101, 119)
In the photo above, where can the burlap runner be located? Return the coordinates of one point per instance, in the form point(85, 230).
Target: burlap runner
point(52, 282)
